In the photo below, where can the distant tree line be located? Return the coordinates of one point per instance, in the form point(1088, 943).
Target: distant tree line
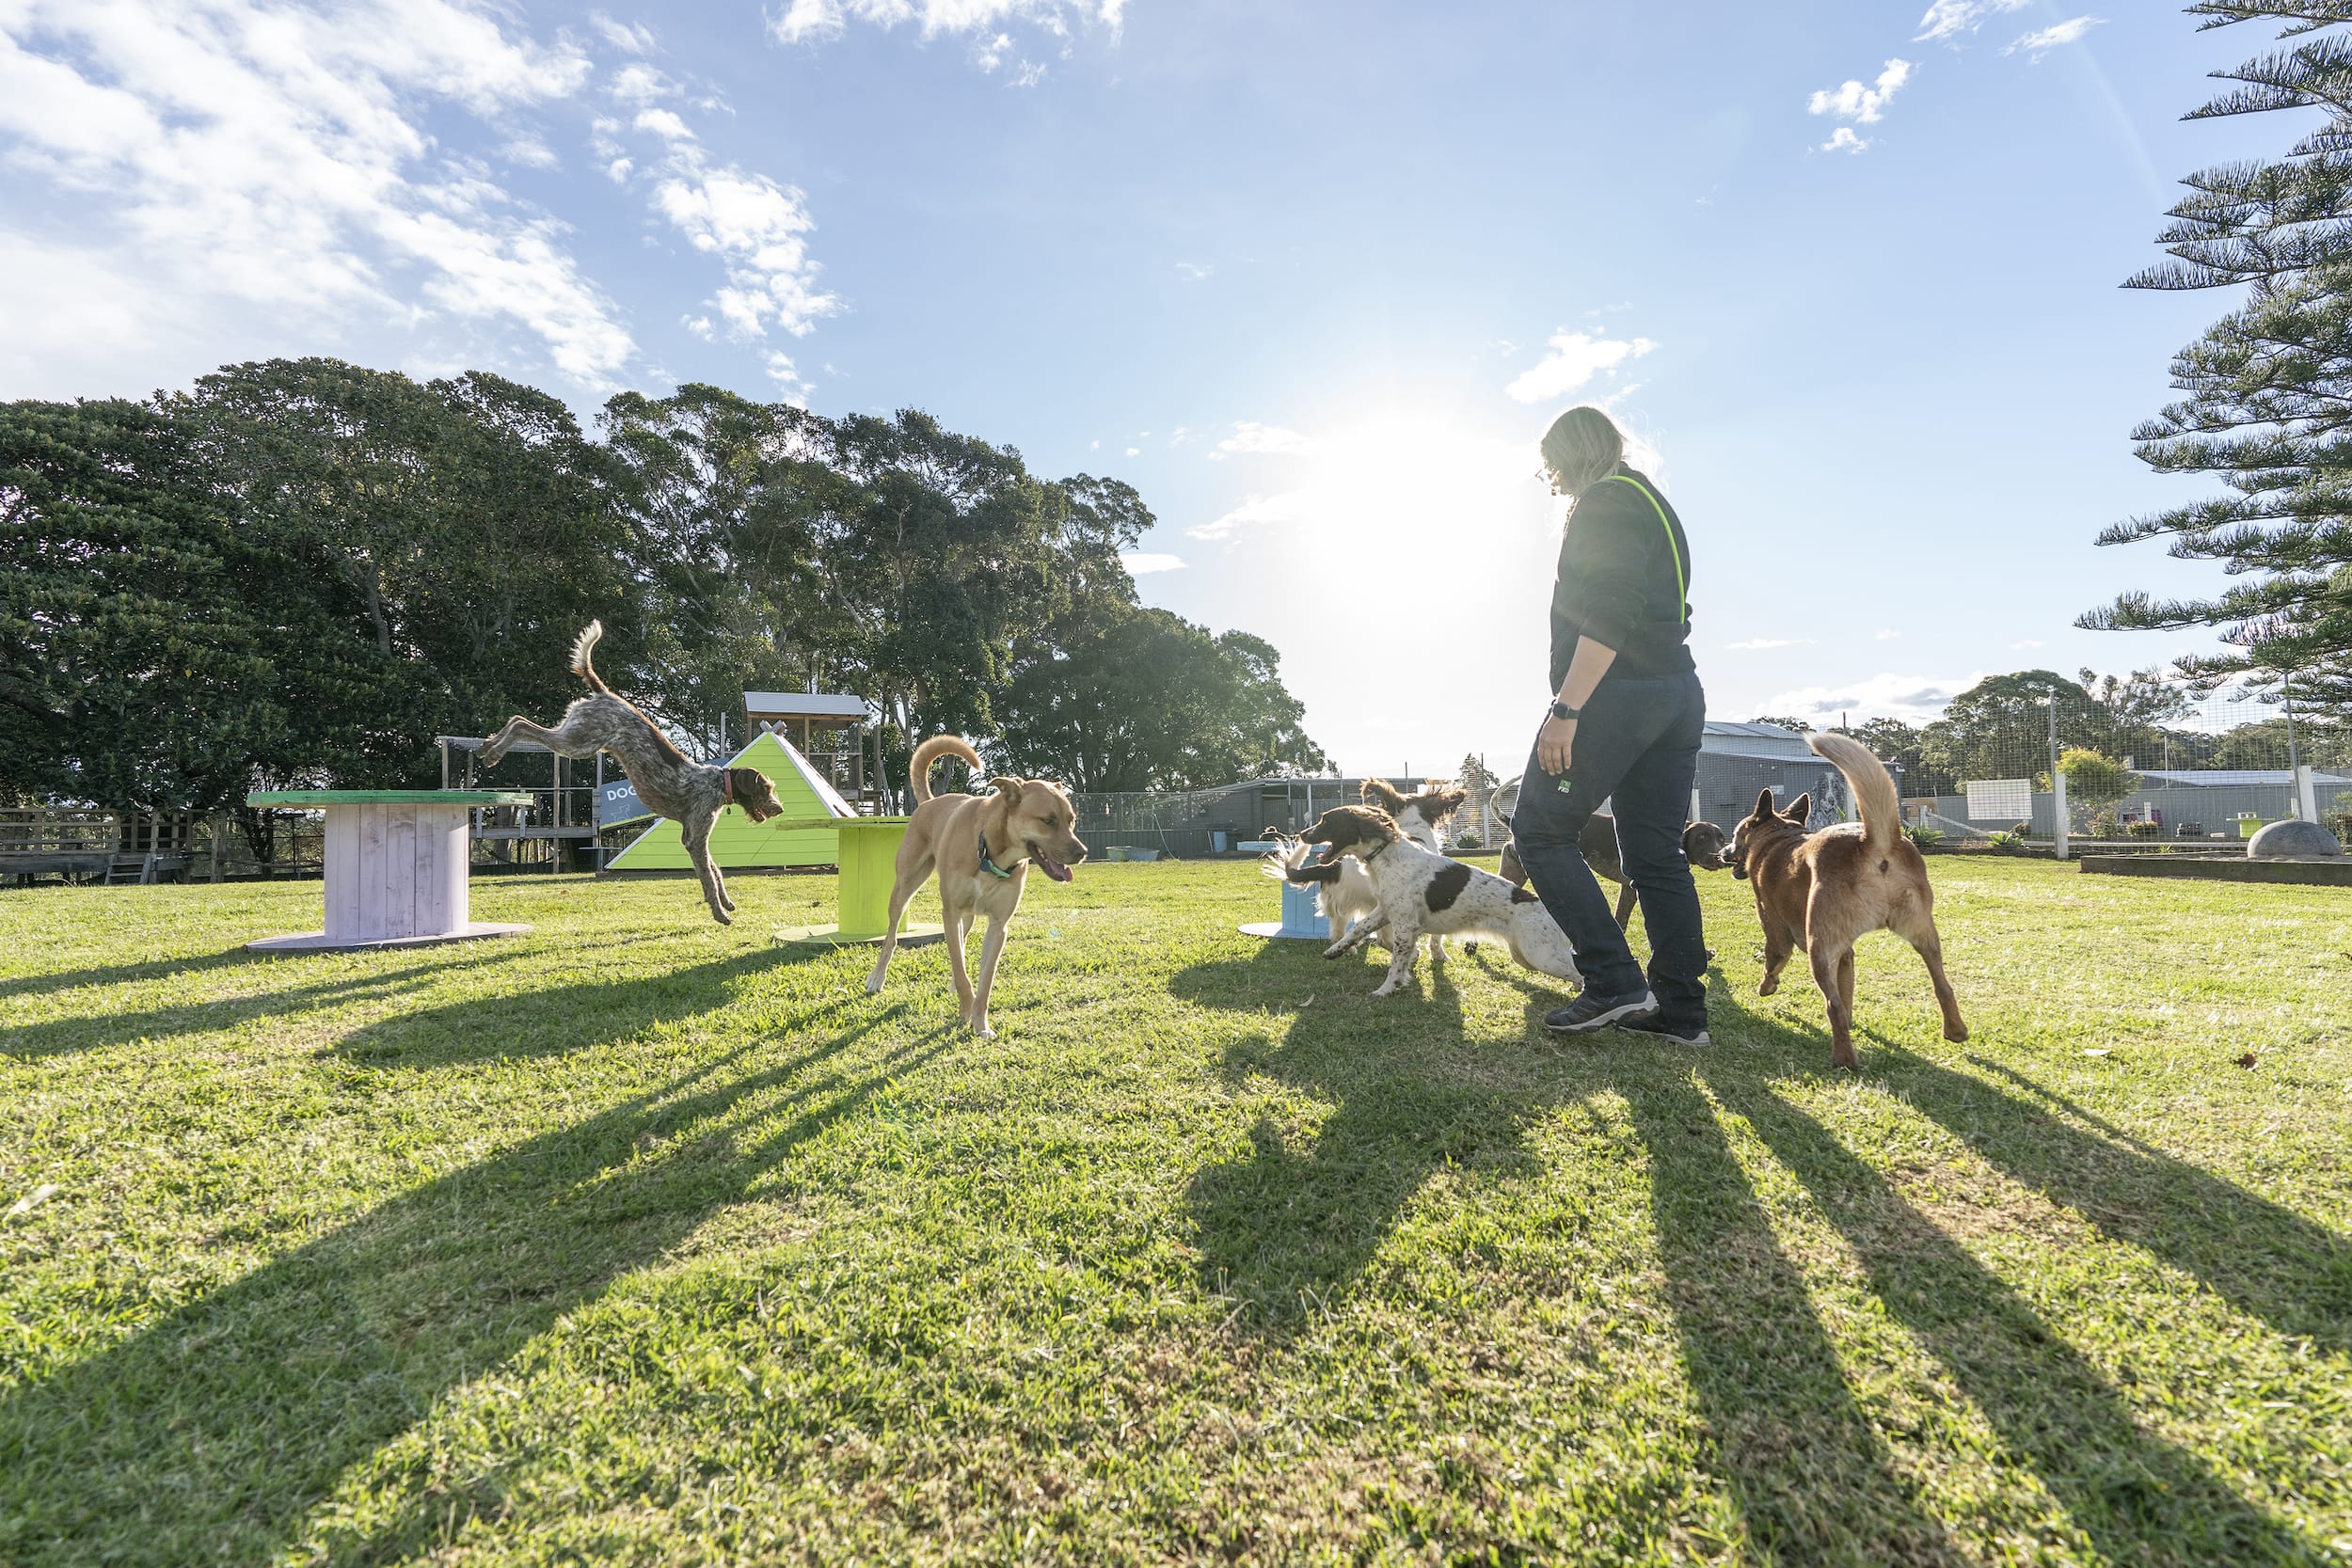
point(301, 571)
point(2000, 728)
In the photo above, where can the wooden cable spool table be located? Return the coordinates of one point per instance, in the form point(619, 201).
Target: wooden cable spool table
point(396, 866)
point(866, 853)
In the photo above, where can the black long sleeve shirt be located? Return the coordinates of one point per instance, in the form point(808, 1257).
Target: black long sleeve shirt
point(1624, 580)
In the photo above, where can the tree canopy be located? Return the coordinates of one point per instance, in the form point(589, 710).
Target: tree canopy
point(300, 570)
point(2267, 402)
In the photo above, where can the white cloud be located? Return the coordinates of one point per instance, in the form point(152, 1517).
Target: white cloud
point(1864, 106)
point(1947, 19)
point(1916, 699)
point(630, 37)
point(1144, 563)
point(1575, 358)
point(2036, 45)
point(807, 20)
point(1135, 451)
point(1193, 272)
point(618, 170)
point(276, 157)
point(785, 374)
point(1888, 633)
point(1250, 436)
point(1254, 512)
point(1753, 643)
point(1844, 140)
point(529, 151)
point(2028, 642)
point(663, 123)
point(640, 83)
point(758, 230)
point(698, 326)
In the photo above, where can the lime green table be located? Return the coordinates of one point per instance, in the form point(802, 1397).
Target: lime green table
point(866, 851)
point(396, 865)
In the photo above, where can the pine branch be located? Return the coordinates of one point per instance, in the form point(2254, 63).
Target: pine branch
point(2302, 16)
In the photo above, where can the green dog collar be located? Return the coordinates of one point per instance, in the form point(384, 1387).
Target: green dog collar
point(991, 866)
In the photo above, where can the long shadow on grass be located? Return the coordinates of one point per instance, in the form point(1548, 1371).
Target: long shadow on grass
point(120, 974)
point(2260, 1256)
point(210, 1435)
point(2139, 1497)
point(99, 1031)
point(1287, 1232)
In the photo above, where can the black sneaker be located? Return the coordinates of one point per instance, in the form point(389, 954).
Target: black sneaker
point(1589, 1012)
point(1655, 1025)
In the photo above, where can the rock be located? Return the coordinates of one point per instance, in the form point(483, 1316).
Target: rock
point(2293, 841)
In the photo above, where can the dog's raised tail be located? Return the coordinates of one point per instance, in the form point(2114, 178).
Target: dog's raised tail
point(584, 661)
point(1873, 787)
point(928, 754)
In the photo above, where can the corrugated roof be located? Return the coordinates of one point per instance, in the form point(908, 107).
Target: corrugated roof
point(803, 705)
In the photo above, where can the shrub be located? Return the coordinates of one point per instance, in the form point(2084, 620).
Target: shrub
point(2143, 830)
point(1924, 836)
point(1468, 841)
point(2102, 824)
point(2006, 839)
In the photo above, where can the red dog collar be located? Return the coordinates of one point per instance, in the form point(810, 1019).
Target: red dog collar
point(730, 775)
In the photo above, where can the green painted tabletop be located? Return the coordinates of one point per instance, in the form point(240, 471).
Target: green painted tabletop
point(794, 824)
point(388, 798)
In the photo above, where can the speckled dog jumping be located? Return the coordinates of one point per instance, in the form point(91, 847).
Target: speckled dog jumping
point(689, 793)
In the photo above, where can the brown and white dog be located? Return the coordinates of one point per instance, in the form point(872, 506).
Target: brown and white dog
point(1422, 891)
point(983, 847)
point(689, 793)
point(1703, 844)
point(1349, 895)
point(1818, 893)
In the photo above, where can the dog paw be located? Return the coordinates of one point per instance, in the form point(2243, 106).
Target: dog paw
point(873, 985)
point(1768, 987)
point(723, 917)
point(982, 1031)
point(1957, 1036)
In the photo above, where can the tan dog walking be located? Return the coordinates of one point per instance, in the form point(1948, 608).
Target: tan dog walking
point(1818, 893)
point(982, 846)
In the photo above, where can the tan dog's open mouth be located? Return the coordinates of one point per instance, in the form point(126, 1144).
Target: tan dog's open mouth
point(1048, 865)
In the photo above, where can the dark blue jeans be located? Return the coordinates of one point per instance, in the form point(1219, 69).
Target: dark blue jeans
point(1637, 747)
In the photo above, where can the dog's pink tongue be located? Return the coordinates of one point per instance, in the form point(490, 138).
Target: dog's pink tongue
point(1053, 868)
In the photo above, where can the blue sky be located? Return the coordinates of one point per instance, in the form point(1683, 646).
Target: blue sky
point(1312, 277)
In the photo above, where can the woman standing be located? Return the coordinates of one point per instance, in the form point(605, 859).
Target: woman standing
point(1623, 728)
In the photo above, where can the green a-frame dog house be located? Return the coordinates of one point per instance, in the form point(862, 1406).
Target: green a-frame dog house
point(739, 843)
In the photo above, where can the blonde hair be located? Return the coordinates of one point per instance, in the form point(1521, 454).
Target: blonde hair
point(1582, 448)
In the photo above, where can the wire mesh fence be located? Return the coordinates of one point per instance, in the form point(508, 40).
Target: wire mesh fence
point(2125, 765)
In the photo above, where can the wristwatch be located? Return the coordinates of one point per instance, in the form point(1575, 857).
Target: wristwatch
point(1566, 714)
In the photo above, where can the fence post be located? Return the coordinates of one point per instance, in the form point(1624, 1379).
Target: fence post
point(2059, 823)
point(2305, 803)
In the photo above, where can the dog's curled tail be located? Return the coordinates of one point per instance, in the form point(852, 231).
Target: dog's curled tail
point(584, 651)
point(929, 754)
point(1873, 787)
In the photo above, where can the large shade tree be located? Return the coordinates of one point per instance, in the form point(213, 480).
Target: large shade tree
point(2266, 392)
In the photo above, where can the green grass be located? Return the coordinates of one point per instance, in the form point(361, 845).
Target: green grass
point(642, 1240)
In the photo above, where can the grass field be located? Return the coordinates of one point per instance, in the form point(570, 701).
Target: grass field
point(639, 1239)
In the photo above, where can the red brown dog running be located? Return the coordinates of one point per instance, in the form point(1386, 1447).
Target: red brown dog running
point(1818, 893)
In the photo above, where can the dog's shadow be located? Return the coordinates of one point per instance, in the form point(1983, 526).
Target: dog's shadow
point(1290, 1227)
point(225, 1421)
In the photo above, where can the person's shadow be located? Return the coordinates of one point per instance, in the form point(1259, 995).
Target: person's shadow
point(222, 1424)
point(1289, 1229)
